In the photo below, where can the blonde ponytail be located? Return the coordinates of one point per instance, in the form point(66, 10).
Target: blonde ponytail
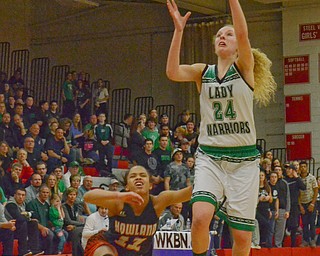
point(264, 84)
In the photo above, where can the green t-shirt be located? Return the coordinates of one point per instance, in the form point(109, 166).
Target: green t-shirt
point(40, 211)
point(3, 198)
point(61, 186)
point(150, 135)
point(55, 218)
point(68, 90)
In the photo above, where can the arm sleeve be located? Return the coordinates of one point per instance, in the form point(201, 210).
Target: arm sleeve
point(288, 205)
point(68, 220)
point(88, 229)
point(301, 185)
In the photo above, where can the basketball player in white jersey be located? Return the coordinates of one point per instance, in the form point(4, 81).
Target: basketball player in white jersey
point(226, 159)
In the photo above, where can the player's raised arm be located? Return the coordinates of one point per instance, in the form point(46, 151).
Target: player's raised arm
point(245, 59)
point(175, 71)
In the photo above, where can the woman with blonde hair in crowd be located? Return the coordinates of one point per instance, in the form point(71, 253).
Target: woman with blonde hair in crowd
point(227, 140)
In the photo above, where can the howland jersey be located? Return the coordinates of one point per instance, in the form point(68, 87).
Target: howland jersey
point(133, 235)
point(226, 108)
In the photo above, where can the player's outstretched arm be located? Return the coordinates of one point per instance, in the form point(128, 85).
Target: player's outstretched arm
point(175, 71)
point(112, 200)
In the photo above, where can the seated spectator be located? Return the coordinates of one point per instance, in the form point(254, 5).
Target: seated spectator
point(43, 118)
point(38, 141)
point(19, 128)
point(8, 92)
point(190, 163)
point(185, 117)
point(89, 150)
point(149, 161)
point(164, 120)
point(30, 113)
point(40, 211)
point(114, 185)
point(6, 232)
point(52, 184)
point(186, 149)
point(150, 131)
point(12, 181)
point(33, 155)
point(178, 135)
point(27, 170)
point(57, 149)
point(56, 216)
point(53, 111)
point(164, 130)
point(3, 199)
point(191, 135)
point(59, 174)
point(173, 214)
point(96, 222)
point(73, 169)
point(84, 188)
point(7, 133)
point(32, 191)
point(11, 105)
point(41, 169)
point(77, 138)
point(104, 134)
point(27, 232)
point(2, 109)
point(5, 157)
point(83, 97)
point(53, 125)
point(122, 133)
point(101, 97)
point(136, 141)
point(74, 220)
point(16, 80)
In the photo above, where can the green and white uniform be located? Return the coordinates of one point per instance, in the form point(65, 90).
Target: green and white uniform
point(227, 158)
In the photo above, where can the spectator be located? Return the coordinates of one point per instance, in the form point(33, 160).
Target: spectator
point(295, 185)
point(284, 207)
point(11, 106)
point(27, 232)
point(59, 174)
point(190, 163)
point(16, 80)
point(96, 222)
point(7, 132)
point(84, 188)
point(77, 138)
point(263, 213)
point(6, 232)
point(274, 206)
point(52, 184)
point(164, 120)
point(149, 161)
point(57, 149)
point(27, 170)
point(275, 162)
point(104, 134)
point(89, 142)
point(114, 185)
point(136, 141)
point(268, 154)
point(8, 92)
point(150, 131)
point(44, 118)
point(30, 113)
point(68, 91)
point(185, 117)
point(5, 157)
point(266, 167)
point(41, 169)
point(32, 191)
point(164, 130)
point(3, 199)
point(56, 216)
point(297, 165)
point(19, 128)
point(179, 134)
point(163, 156)
point(33, 155)
point(308, 199)
point(122, 132)
point(142, 118)
point(101, 98)
point(38, 141)
point(12, 181)
point(53, 111)
point(40, 211)
point(2, 109)
point(72, 170)
point(83, 101)
point(74, 220)
point(174, 214)
point(191, 135)
point(53, 125)
point(186, 149)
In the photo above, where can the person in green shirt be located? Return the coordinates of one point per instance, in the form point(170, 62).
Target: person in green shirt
point(59, 174)
point(56, 216)
point(68, 90)
point(150, 131)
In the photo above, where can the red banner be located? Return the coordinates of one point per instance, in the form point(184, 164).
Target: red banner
point(309, 32)
point(298, 108)
point(298, 146)
point(296, 69)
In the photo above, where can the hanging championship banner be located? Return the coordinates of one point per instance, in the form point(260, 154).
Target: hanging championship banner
point(298, 146)
point(309, 32)
point(296, 70)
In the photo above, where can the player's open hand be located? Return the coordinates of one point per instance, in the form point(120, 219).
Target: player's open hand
point(178, 20)
point(131, 198)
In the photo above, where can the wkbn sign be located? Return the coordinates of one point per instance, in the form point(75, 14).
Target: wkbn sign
point(309, 32)
point(172, 240)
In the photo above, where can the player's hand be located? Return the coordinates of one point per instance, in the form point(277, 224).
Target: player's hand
point(131, 198)
point(178, 20)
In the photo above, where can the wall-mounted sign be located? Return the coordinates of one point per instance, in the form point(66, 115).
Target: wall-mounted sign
point(309, 32)
point(296, 69)
point(298, 108)
point(298, 146)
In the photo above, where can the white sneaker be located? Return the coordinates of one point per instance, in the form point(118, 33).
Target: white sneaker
point(255, 246)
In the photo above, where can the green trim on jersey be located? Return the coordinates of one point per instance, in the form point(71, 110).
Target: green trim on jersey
point(231, 154)
point(209, 75)
point(204, 196)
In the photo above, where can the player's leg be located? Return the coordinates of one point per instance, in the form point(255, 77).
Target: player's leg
point(104, 250)
point(202, 213)
point(241, 242)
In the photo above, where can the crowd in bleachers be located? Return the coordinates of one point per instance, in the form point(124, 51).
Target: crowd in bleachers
point(44, 152)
